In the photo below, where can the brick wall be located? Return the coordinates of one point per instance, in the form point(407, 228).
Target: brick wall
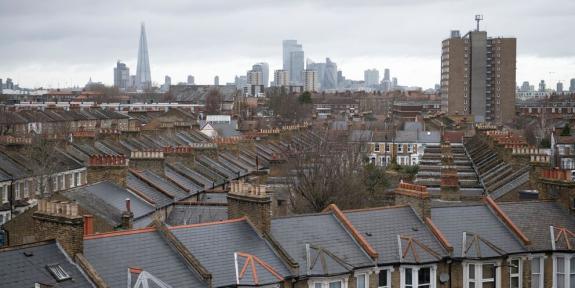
point(154, 165)
point(116, 174)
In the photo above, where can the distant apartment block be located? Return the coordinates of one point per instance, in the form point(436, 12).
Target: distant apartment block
point(478, 76)
point(281, 78)
point(121, 76)
point(311, 80)
point(371, 77)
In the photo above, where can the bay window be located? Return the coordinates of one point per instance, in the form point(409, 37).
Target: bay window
point(329, 283)
point(515, 271)
point(384, 278)
point(481, 275)
point(362, 280)
point(537, 271)
point(418, 277)
point(563, 271)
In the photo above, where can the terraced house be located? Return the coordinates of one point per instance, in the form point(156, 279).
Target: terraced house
point(415, 243)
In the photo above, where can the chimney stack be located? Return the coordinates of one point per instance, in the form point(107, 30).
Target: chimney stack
point(60, 220)
point(88, 225)
point(128, 216)
point(251, 201)
point(415, 196)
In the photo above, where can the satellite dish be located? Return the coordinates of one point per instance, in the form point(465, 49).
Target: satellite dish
point(443, 277)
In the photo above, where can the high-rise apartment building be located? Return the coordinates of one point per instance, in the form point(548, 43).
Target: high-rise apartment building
point(542, 87)
point(265, 69)
point(121, 76)
point(255, 77)
point(478, 76)
point(293, 60)
point(191, 80)
point(217, 80)
point(281, 78)
point(143, 74)
point(371, 77)
point(311, 80)
point(559, 87)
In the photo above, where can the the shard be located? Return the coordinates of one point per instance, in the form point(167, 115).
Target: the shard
point(143, 76)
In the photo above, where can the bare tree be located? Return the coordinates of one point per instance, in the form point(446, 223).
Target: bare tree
point(213, 101)
point(336, 173)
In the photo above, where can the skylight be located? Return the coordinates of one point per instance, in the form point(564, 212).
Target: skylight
point(58, 272)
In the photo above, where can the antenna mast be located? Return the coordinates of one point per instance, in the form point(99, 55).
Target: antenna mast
point(478, 18)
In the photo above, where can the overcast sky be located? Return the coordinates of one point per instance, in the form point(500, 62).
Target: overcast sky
point(59, 43)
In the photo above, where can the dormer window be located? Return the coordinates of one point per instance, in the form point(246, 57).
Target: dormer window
point(58, 272)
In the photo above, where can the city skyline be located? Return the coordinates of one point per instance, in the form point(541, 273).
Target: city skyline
point(70, 56)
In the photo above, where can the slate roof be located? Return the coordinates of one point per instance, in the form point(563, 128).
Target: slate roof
point(111, 256)
point(418, 136)
point(160, 199)
point(23, 266)
point(214, 246)
point(380, 227)
point(322, 231)
point(534, 219)
point(193, 214)
point(110, 193)
point(475, 220)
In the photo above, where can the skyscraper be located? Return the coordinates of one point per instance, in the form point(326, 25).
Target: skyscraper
point(121, 76)
point(293, 60)
point(281, 78)
point(191, 80)
point(525, 87)
point(478, 76)
point(572, 85)
point(319, 68)
point(217, 80)
point(265, 69)
point(542, 87)
point(559, 87)
point(255, 77)
point(143, 75)
point(386, 74)
point(167, 84)
point(371, 77)
point(330, 75)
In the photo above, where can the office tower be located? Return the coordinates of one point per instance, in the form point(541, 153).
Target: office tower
point(143, 75)
point(542, 87)
point(293, 60)
point(525, 87)
point(572, 85)
point(386, 74)
point(9, 84)
point(340, 77)
point(559, 87)
point(217, 80)
point(478, 76)
point(371, 77)
point(255, 77)
point(393, 82)
point(281, 78)
point(1, 86)
point(330, 75)
point(241, 81)
point(311, 80)
point(132, 83)
point(191, 80)
point(265, 69)
point(121, 76)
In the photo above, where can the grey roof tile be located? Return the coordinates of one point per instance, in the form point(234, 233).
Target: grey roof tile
point(476, 220)
point(320, 230)
point(112, 256)
point(381, 227)
point(26, 265)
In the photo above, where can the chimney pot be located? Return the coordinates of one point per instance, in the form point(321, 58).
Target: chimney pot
point(128, 205)
point(88, 225)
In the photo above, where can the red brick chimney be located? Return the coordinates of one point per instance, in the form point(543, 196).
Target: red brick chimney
point(128, 216)
point(60, 220)
point(415, 196)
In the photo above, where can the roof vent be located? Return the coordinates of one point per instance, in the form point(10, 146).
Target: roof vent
point(28, 253)
point(58, 272)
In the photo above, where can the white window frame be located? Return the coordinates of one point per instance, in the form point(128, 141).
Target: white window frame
point(386, 270)
point(567, 270)
point(324, 282)
point(519, 273)
point(399, 148)
point(478, 266)
point(540, 258)
point(17, 191)
point(409, 148)
point(4, 192)
point(414, 275)
point(365, 279)
point(376, 147)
